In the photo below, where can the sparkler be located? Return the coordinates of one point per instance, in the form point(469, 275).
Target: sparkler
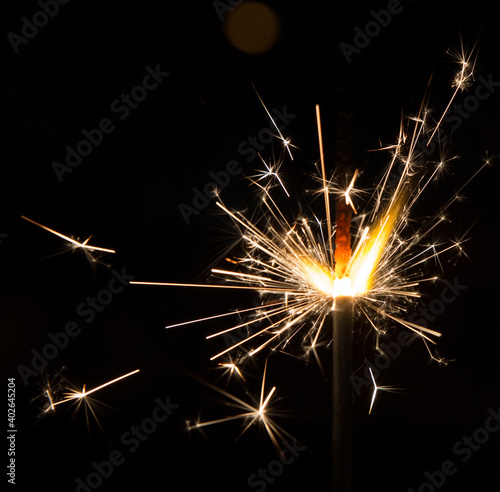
point(342, 318)
point(302, 279)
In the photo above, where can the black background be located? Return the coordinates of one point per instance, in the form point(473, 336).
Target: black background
point(127, 193)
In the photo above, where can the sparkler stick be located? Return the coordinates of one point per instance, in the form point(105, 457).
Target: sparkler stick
point(341, 317)
point(342, 343)
point(342, 394)
point(342, 358)
point(304, 282)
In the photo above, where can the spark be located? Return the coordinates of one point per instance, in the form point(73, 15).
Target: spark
point(325, 187)
point(231, 367)
point(260, 413)
point(50, 387)
point(347, 193)
point(84, 246)
point(462, 79)
point(272, 171)
point(79, 397)
point(286, 141)
point(376, 388)
point(47, 392)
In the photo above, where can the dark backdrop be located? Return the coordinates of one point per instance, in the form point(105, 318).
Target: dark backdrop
point(127, 193)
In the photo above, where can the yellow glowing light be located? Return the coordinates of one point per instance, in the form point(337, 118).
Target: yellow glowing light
point(343, 287)
point(318, 277)
point(367, 257)
point(325, 282)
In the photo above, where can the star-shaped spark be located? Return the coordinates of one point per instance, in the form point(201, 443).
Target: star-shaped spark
point(252, 413)
point(271, 172)
point(376, 388)
point(80, 397)
point(231, 368)
point(87, 249)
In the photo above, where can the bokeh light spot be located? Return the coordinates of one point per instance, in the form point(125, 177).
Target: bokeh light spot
point(252, 27)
